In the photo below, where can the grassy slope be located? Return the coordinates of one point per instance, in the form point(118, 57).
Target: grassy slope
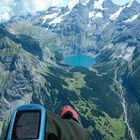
point(11, 49)
point(96, 119)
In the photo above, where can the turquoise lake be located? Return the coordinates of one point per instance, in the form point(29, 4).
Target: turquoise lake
point(80, 60)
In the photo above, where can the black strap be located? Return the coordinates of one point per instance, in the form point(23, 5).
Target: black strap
point(52, 136)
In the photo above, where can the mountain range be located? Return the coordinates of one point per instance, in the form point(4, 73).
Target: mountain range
point(107, 96)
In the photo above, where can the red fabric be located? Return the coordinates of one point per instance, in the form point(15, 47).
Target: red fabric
point(66, 109)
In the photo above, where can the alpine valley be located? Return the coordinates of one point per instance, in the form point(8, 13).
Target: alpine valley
point(107, 96)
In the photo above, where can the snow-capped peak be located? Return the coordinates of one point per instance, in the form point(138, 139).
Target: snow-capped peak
point(99, 4)
point(116, 14)
point(130, 3)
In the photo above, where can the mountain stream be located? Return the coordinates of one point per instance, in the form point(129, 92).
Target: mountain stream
point(124, 104)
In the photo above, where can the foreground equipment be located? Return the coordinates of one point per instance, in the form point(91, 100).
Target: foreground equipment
point(28, 122)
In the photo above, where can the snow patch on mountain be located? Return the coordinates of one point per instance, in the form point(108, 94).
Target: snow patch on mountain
point(56, 20)
point(72, 3)
point(95, 15)
point(132, 18)
point(84, 2)
point(116, 14)
point(128, 55)
point(130, 3)
point(99, 4)
point(124, 52)
point(59, 19)
point(50, 16)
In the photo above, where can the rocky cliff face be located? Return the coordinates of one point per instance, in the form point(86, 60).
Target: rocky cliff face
point(106, 96)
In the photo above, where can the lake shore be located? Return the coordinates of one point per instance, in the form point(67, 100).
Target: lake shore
point(80, 60)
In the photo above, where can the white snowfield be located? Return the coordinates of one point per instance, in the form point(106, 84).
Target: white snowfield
point(59, 19)
point(116, 14)
point(130, 3)
point(132, 18)
point(72, 3)
point(56, 20)
point(50, 16)
point(95, 15)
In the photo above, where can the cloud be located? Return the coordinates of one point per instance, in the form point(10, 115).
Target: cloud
point(5, 10)
point(31, 6)
point(11, 8)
